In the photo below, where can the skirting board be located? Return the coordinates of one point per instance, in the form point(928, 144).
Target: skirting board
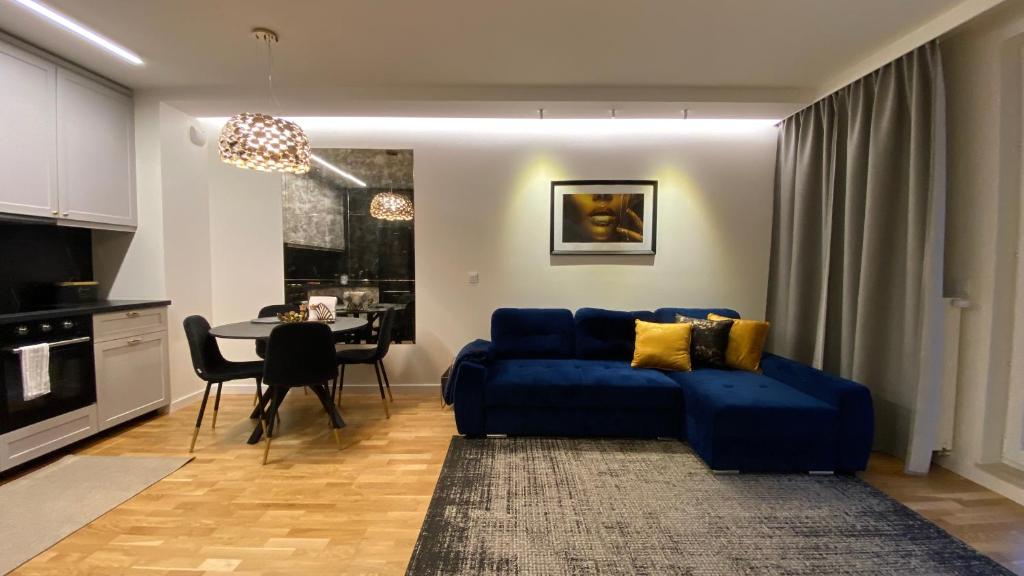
point(241, 388)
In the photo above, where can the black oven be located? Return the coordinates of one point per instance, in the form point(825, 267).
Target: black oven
point(72, 373)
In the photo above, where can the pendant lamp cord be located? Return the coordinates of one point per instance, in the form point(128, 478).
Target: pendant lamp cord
point(270, 74)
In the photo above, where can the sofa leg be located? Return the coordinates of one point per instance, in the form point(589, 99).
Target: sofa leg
point(821, 472)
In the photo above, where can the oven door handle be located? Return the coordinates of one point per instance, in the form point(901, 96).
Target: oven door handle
point(57, 344)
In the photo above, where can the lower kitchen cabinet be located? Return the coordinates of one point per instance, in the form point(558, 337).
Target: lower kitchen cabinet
point(131, 377)
point(24, 444)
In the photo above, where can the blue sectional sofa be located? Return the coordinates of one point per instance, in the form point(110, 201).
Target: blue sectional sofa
point(552, 373)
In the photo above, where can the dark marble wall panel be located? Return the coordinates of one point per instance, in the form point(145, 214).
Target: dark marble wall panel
point(34, 256)
point(378, 168)
point(313, 209)
point(385, 247)
point(372, 252)
point(309, 263)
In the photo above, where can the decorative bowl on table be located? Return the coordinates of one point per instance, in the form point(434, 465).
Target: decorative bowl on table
point(293, 316)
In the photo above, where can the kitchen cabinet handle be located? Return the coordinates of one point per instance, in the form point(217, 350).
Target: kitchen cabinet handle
point(132, 314)
point(134, 341)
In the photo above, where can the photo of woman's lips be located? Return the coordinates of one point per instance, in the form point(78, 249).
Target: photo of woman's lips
point(589, 217)
point(602, 217)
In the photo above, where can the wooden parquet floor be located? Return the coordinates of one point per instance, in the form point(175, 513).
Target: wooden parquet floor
point(317, 510)
point(991, 523)
point(313, 509)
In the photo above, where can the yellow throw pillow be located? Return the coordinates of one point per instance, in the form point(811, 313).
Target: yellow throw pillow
point(746, 343)
point(662, 346)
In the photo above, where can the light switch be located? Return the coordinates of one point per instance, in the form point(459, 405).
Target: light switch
point(474, 277)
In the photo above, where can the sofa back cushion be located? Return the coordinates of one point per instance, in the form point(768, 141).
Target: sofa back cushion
point(532, 333)
point(668, 315)
point(607, 334)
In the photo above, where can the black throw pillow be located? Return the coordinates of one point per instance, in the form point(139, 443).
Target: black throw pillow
point(708, 340)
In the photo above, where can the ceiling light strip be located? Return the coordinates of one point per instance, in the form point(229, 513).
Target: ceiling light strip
point(71, 25)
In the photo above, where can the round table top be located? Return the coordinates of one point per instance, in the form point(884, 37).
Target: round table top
point(250, 330)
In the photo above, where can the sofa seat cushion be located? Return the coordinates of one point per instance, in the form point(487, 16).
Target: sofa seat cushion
point(745, 402)
point(579, 383)
point(744, 421)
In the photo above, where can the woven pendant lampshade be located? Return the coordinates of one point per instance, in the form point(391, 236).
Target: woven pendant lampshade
point(260, 142)
point(391, 206)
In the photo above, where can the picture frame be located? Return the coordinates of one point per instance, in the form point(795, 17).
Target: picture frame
point(604, 217)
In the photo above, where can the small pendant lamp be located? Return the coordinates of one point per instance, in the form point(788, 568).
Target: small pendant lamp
point(391, 206)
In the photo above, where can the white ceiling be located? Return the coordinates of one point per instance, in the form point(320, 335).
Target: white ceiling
point(477, 56)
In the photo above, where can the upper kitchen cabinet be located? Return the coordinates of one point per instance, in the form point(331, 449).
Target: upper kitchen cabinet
point(28, 146)
point(95, 152)
point(67, 150)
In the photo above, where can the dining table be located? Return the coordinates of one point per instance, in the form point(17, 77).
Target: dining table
point(371, 313)
point(260, 329)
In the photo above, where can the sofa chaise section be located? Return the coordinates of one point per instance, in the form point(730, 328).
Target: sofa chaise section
point(750, 422)
point(855, 430)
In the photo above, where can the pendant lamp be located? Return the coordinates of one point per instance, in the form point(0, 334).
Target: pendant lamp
point(256, 141)
point(391, 206)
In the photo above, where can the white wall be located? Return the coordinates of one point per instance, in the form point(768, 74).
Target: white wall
point(131, 266)
point(187, 231)
point(482, 203)
point(246, 245)
point(983, 79)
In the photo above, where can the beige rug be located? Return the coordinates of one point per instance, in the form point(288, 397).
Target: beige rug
point(40, 509)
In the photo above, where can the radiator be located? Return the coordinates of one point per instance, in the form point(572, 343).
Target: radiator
point(951, 360)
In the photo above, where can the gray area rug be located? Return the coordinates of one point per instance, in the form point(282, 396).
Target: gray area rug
point(41, 508)
point(544, 506)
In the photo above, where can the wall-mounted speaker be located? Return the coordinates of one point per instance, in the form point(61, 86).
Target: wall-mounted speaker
point(197, 136)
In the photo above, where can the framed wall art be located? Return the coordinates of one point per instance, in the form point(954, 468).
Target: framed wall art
point(603, 216)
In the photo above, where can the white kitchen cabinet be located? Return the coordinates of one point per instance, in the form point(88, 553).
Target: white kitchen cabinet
point(95, 152)
point(67, 142)
point(122, 324)
point(28, 134)
point(24, 444)
point(131, 372)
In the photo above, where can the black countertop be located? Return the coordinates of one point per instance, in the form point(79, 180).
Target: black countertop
point(97, 307)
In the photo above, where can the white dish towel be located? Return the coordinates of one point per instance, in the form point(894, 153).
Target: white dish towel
point(330, 301)
point(35, 371)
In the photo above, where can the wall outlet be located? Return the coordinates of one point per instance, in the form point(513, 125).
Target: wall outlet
point(473, 277)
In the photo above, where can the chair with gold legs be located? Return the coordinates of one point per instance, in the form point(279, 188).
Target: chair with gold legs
point(211, 366)
point(270, 311)
point(369, 355)
point(299, 355)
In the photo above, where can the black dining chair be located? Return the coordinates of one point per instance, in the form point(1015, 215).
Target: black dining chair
point(369, 355)
point(270, 311)
point(299, 355)
point(211, 366)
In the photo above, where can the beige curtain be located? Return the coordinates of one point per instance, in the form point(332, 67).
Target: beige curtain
point(855, 283)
